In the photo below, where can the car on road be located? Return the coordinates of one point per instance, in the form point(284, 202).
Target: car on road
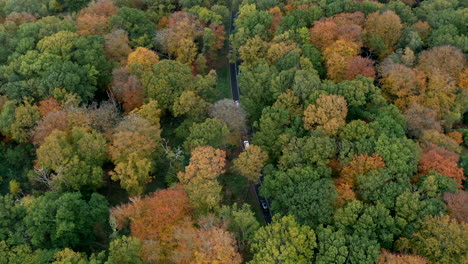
point(236, 102)
point(264, 205)
point(246, 144)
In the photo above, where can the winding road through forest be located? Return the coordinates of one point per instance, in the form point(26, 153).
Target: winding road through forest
point(235, 91)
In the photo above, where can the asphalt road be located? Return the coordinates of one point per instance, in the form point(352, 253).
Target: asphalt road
point(235, 91)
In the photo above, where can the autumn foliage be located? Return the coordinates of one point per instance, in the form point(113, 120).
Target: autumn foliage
point(457, 205)
point(127, 88)
point(390, 258)
point(94, 20)
point(361, 164)
point(143, 57)
point(328, 113)
point(200, 177)
point(344, 26)
point(442, 161)
point(251, 162)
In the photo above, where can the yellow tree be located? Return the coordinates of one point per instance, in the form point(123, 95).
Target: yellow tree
point(200, 177)
point(142, 57)
point(328, 113)
point(251, 162)
point(383, 32)
point(337, 56)
point(134, 144)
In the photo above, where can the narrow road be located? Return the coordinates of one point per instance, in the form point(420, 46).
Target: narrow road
point(235, 91)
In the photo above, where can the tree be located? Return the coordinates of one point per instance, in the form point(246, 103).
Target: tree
point(155, 218)
point(291, 103)
point(183, 28)
point(344, 26)
point(344, 193)
point(332, 245)
point(389, 258)
point(328, 113)
point(166, 82)
point(284, 240)
point(69, 256)
point(125, 250)
point(137, 24)
point(337, 56)
point(233, 115)
point(251, 162)
point(318, 149)
point(402, 84)
point(58, 220)
point(408, 154)
point(26, 117)
point(127, 89)
point(439, 240)
point(368, 228)
point(254, 83)
point(68, 156)
point(190, 104)
point(442, 161)
point(64, 60)
point(359, 66)
point(241, 221)
point(215, 245)
point(48, 105)
point(421, 118)
point(253, 50)
point(134, 145)
point(200, 177)
point(456, 205)
point(306, 81)
point(117, 46)
point(94, 19)
point(306, 193)
point(437, 138)
point(212, 132)
point(171, 204)
point(448, 59)
point(142, 57)
point(151, 112)
point(382, 32)
point(360, 165)
point(271, 130)
point(56, 120)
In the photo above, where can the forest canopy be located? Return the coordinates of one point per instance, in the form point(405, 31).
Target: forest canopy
point(226, 132)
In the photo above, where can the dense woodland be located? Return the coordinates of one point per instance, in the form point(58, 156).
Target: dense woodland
point(120, 141)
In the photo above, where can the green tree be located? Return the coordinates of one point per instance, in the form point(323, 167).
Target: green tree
point(332, 246)
point(241, 221)
point(254, 83)
point(283, 241)
point(75, 157)
point(11, 225)
point(136, 22)
point(26, 117)
point(317, 149)
point(62, 60)
point(125, 250)
point(406, 161)
point(371, 221)
point(64, 220)
point(212, 132)
point(306, 193)
point(271, 130)
point(356, 138)
point(439, 239)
